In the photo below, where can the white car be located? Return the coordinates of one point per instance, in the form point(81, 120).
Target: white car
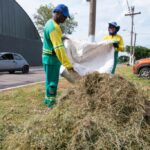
point(12, 62)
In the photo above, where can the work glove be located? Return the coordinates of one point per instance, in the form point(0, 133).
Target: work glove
point(115, 44)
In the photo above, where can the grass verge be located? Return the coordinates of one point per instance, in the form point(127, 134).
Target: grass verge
point(19, 105)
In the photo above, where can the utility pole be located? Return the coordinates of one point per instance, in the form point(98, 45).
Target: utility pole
point(132, 14)
point(92, 19)
point(134, 45)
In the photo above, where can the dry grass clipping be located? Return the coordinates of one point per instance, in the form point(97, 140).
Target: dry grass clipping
point(100, 112)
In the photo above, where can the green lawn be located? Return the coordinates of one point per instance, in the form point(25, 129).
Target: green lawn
point(126, 72)
point(20, 105)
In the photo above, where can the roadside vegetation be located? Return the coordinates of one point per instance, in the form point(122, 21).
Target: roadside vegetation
point(23, 107)
point(126, 72)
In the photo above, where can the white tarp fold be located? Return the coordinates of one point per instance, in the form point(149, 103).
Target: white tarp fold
point(90, 57)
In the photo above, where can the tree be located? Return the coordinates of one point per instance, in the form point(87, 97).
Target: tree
point(140, 52)
point(44, 13)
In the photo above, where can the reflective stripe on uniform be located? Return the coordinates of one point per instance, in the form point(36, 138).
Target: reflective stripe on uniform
point(48, 52)
point(50, 98)
point(57, 47)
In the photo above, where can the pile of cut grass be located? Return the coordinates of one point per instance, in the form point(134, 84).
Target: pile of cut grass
point(99, 112)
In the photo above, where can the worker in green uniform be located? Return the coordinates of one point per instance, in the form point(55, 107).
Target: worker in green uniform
point(118, 43)
point(54, 54)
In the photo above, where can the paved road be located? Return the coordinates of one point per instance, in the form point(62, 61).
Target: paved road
point(12, 80)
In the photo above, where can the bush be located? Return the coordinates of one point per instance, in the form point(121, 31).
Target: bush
point(123, 59)
point(140, 52)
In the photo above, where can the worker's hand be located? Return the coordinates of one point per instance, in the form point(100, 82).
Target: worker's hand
point(64, 37)
point(74, 74)
point(71, 70)
point(115, 44)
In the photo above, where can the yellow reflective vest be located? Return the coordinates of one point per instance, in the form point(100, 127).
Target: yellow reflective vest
point(116, 38)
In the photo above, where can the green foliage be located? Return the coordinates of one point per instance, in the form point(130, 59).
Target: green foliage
point(140, 52)
point(123, 59)
point(69, 25)
point(44, 13)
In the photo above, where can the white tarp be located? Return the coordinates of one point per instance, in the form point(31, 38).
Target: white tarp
point(90, 57)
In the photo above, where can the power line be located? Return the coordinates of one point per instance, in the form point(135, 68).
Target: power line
point(128, 5)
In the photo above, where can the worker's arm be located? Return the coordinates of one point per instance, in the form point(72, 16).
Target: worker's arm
point(105, 38)
point(59, 49)
point(121, 45)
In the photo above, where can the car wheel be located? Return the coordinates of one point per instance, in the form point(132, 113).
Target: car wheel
point(145, 72)
point(25, 69)
point(12, 71)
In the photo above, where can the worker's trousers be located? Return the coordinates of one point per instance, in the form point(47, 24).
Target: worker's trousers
point(52, 78)
point(115, 62)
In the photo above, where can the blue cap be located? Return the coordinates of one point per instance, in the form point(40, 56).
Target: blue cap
point(62, 9)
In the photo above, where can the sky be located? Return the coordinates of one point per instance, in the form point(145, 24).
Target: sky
point(106, 11)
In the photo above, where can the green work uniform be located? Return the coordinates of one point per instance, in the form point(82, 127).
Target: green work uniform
point(52, 57)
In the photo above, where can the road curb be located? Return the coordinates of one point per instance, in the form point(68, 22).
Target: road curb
point(20, 86)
